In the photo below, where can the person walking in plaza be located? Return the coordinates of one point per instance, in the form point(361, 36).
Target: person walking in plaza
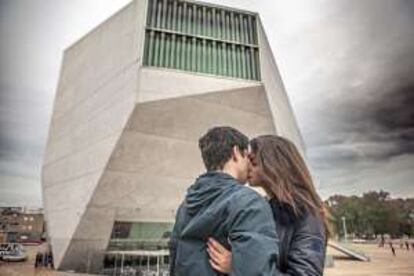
point(392, 248)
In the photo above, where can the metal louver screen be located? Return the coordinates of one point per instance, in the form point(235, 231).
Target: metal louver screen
point(198, 38)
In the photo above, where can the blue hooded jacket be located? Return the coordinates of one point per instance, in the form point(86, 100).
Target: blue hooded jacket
point(218, 206)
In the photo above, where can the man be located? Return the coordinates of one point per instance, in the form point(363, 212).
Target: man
point(217, 205)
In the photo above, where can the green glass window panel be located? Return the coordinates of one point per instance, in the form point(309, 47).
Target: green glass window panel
point(162, 50)
point(193, 54)
point(179, 17)
point(172, 55)
point(167, 50)
point(201, 38)
point(183, 53)
point(241, 28)
point(156, 49)
point(224, 59)
point(141, 230)
point(231, 27)
point(248, 66)
point(159, 9)
point(244, 65)
point(174, 16)
point(169, 15)
point(184, 22)
point(147, 49)
point(229, 63)
point(249, 30)
point(253, 64)
point(199, 20)
point(214, 58)
point(256, 58)
point(140, 235)
point(149, 231)
point(189, 54)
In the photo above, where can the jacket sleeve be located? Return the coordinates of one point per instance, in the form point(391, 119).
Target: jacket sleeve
point(173, 242)
point(307, 249)
point(252, 237)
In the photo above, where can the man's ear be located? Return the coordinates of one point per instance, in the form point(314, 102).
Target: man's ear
point(236, 153)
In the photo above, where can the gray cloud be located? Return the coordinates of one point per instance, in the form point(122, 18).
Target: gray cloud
point(34, 35)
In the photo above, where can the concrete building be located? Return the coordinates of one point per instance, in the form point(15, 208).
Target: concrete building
point(134, 96)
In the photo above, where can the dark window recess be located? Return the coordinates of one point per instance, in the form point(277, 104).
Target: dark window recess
point(121, 230)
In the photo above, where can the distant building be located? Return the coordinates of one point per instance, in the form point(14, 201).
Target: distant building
point(3, 236)
point(133, 98)
point(21, 225)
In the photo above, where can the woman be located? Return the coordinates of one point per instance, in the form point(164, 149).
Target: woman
point(301, 223)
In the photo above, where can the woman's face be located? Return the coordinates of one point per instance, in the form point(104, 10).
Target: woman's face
point(254, 170)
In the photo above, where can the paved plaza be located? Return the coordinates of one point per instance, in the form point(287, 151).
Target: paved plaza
point(383, 263)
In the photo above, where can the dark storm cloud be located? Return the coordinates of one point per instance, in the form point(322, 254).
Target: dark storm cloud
point(385, 121)
point(380, 108)
point(394, 114)
point(358, 118)
point(381, 128)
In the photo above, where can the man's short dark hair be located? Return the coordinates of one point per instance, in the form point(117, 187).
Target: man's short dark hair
point(217, 144)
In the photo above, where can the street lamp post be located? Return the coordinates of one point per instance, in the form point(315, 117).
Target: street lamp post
point(344, 227)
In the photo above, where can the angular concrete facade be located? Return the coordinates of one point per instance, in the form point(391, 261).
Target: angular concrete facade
point(122, 144)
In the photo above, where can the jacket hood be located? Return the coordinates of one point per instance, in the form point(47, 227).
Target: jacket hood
point(206, 189)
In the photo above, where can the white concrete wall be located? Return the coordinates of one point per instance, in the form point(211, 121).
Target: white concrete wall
point(161, 83)
point(281, 108)
point(94, 99)
point(158, 158)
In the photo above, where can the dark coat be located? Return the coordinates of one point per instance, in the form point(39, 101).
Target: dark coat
point(218, 206)
point(302, 241)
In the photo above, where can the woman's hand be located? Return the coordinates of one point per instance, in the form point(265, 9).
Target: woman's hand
point(220, 257)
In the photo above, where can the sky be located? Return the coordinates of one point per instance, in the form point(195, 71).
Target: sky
point(347, 66)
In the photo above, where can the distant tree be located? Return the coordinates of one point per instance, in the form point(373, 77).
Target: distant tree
point(373, 214)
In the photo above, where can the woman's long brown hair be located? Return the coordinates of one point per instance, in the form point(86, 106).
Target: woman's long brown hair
point(286, 177)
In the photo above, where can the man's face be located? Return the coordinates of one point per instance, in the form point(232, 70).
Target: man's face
point(242, 163)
